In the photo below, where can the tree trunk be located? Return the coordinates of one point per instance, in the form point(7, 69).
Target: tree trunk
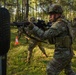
point(26, 6)
point(27, 9)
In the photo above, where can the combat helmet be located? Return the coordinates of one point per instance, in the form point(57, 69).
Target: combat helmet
point(55, 9)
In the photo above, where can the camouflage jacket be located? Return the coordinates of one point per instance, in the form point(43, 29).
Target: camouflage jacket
point(60, 32)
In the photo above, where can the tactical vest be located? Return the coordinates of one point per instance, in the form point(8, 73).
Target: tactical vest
point(64, 39)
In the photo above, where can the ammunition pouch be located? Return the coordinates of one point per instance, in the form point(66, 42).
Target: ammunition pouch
point(64, 41)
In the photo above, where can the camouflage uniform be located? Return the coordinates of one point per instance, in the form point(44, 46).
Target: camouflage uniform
point(63, 45)
point(32, 44)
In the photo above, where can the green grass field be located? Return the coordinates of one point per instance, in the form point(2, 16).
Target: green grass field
point(17, 65)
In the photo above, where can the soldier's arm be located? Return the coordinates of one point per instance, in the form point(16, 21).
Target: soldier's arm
point(53, 31)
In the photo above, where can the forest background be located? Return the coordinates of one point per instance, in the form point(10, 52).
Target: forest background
point(19, 11)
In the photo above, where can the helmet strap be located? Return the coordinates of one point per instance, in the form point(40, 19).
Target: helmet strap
point(56, 16)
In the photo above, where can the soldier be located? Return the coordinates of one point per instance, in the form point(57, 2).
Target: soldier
point(33, 43)
point(59, 30)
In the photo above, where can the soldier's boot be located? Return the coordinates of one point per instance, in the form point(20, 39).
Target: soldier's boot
point(43, 51)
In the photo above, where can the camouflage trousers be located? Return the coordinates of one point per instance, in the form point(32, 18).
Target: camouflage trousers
point(32, 45)
point(57, 65)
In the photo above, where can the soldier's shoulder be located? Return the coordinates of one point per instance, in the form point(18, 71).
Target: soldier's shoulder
point(57, 24)
point(65, 21)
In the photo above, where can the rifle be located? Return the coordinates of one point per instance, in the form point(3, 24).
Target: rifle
point(20, 24)
point(21, 29)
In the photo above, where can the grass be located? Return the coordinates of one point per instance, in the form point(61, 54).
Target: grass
point(17, 55)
